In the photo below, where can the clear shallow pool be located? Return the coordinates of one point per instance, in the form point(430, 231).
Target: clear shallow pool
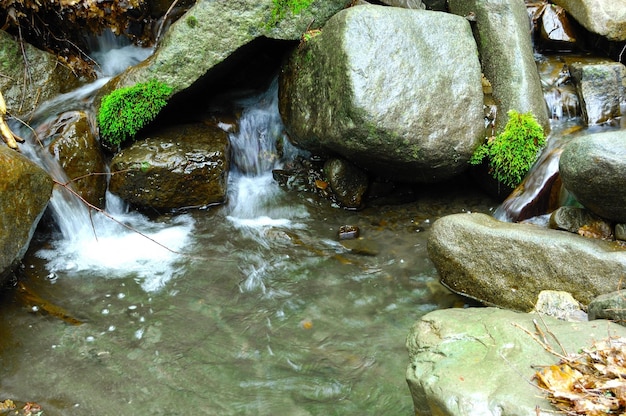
point(263, 318)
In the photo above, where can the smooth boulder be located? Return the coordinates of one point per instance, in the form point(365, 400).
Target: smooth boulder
point(506, 55)
point(593, 170)
point(385, 88)
point(604, 17)
point(508, 265)
point(478, 361)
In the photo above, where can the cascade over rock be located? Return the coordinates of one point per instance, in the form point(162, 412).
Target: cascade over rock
point(211, 31)
point(25, 189)
point(506, 55)
point(593, 169)
point(45, 76)
point(382, 87)
point(478, 361)
point(179, 167)
point(508, 265)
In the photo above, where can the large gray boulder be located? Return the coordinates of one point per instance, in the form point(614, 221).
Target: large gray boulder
point(593, 170)
point(396, 91)
point(603, 17)
point(211, 31)
point(30, 76)
point(25, 189)
point(478, 361)
point(502, 28)
point(178, 167)
point(508, 265)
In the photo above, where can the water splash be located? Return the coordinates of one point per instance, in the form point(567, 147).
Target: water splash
point(115, 243)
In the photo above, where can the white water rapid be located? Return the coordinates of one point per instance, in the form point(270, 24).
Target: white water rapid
point(118, 242)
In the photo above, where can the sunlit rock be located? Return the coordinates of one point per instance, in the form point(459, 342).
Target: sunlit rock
point(78, 151)
point(600, 88)
point(479, 361)
point(506, 55)
point(593, 169)
point(508, 265)
point(387, 89)
point(25, 190)
point(30, 76)
point(180, 167)
point(605, 18)
point(211, 32)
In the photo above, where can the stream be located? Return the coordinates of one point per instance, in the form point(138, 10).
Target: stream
point(253, 307)
point(249, 308)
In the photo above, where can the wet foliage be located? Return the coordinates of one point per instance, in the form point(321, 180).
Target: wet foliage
point(61, 26)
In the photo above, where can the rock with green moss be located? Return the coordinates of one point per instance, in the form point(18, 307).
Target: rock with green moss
point(127, 110)
point(381, 87)
point(512, 153)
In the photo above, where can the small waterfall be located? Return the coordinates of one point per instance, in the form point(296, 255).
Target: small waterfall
point(115, 243)
point(259, 146)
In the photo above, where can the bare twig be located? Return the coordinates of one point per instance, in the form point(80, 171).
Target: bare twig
point(165, 16)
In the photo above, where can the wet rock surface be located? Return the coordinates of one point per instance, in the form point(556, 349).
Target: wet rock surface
point(78, 151)
point(593, 169)
point(478, 361)
point(600, 88)
point(25, 189)
point(507, 265)
point(180, 167)
point(358, 89)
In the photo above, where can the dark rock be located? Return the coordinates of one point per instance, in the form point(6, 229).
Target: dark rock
point(593, 170)
point(349, 232)
point(580, 220)
point(76, 148)
point(25, 189)
point(180, 167)
point(347, 182)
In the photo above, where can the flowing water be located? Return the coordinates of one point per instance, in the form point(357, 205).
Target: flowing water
point(263, 313)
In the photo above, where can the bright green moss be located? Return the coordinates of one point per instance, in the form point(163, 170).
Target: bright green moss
point(281, 7)
point(126, 110)
point(512, 153)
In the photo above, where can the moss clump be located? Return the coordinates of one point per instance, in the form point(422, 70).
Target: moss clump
point(512, 152)
point(281, 7)
point(126, 110)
